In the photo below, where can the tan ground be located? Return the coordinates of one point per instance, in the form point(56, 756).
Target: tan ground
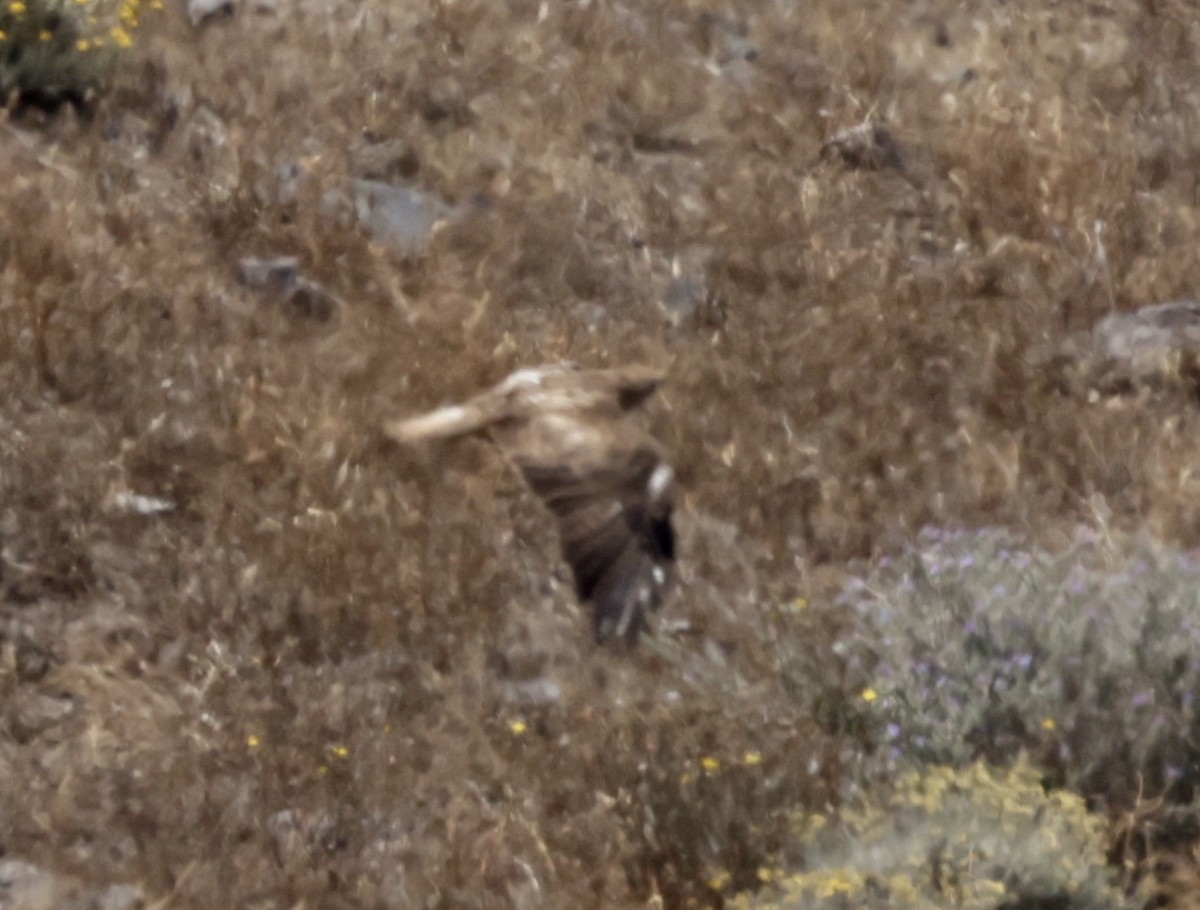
point(309, 684)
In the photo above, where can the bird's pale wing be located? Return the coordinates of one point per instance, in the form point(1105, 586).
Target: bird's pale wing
point(617, 540)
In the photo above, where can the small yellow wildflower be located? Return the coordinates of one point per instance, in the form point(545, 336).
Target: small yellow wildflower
point(990, 887)
point(120, 36)
point(45, 35)
point(720, 881)
point(752, 758)
point(17, 8)
point(837, 882)
point(902, 888)
point(3, 34)
point(710, 765)
point(322, 770)
point(83, 44)
point(253, 742)
point(340, 752)
point(1049, 724)
point(869, 695)
point(815, 822)
point(518, 727)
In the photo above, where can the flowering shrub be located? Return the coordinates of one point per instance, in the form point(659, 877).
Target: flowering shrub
point(53, 51)
point(973, 838)
point(973, 645)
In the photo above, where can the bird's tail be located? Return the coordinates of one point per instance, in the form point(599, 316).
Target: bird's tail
point(444, 423)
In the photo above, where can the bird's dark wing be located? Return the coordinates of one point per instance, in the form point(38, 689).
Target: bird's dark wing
point(616, 536)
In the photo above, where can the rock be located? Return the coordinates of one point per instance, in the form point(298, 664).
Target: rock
point(1147, 338)
point(1151, 349)
point(1154, 347)
point(24, 886)
point(277, 274)
point(137, 504)
point(868, 146)
point(540, 691)
point(199, 10)
point(117, 897)
point(281, 275)
point(398, 215)
point(32, 713)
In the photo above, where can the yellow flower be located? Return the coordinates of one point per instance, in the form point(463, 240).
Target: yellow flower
point(340, 752)
point(710, 765)
point(323, 770)
point(120, 36)
point(3, 34)
point(253, 742)
point(720, 881)
point(17, 8)
point(45, 35)
point(752, 757)
point(82, 44)
point(869, 695)
point(1049, 724)
point(518, 727)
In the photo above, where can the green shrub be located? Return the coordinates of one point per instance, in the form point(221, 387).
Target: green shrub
point(52, 51)
point(975, 646)
point(972, 838)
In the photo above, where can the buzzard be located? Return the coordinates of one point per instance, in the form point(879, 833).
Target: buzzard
point(606, 481)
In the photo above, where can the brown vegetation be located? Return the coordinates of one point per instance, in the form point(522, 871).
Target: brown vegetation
point(316, 670)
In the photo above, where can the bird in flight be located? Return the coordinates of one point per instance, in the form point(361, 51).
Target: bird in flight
point(606, 481)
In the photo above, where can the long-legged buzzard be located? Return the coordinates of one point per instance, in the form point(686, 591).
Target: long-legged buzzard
point(606, 481)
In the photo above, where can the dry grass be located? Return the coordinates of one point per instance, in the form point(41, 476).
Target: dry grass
point(297, 687)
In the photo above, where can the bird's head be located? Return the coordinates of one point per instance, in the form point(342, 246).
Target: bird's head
point(635, 384)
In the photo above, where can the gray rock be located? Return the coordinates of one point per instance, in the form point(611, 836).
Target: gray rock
point(398, 216)
point(867, 146)
point(117, 897)
point(281, 275)
point(1150, 349)
point(32, 713)
point(199, 10)
point(1148, 337)
point(24, 886)
point(540, 691)
point(276, 274)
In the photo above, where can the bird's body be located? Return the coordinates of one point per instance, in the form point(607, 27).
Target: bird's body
point(606, 481)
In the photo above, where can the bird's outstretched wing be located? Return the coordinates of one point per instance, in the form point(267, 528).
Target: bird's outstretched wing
point(615, 524)
point(445, 423)
point(606, 482)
